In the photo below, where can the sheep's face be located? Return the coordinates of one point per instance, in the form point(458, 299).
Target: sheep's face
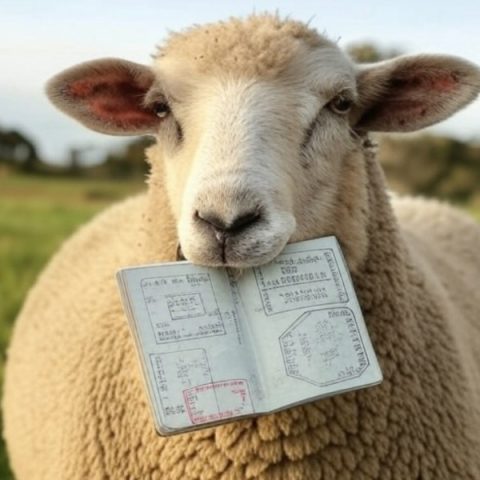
point(254, 163)
point(259, 126)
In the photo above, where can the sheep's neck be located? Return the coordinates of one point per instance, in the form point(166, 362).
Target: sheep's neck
point(386, 267)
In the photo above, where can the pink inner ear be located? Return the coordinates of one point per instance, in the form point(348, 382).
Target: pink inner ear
point(397, 112)
point(411, 98)
point(114, 98)
point(438, 81)
point(412, 93)
point(445, 82)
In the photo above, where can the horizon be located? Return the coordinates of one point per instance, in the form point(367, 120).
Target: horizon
point(40, 43)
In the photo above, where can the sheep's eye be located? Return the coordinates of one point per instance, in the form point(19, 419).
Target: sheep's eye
point(340, 104)
point(161, 109)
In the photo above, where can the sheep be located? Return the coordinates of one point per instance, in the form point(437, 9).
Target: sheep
point(262, 129)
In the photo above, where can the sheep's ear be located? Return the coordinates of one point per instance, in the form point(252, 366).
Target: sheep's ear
point(412, 92)
point(106, 95)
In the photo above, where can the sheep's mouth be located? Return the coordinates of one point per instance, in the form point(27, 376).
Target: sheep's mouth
point(179, 255)
point(231, 257)
point(253, 246)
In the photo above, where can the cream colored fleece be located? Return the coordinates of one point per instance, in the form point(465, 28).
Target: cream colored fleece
point(75, 407)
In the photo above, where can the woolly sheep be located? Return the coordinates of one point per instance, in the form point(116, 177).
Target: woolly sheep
point(261, 128)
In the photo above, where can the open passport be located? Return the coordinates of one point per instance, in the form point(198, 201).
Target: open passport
point(214, 348)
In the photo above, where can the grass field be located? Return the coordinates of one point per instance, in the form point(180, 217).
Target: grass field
point(36, 214)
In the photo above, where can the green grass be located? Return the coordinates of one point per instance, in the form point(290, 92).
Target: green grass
point(36, 215)
point(474, 212)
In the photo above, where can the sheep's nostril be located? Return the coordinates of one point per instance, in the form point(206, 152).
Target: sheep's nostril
point(211, 220)
point(243, 221)
point(239, 223)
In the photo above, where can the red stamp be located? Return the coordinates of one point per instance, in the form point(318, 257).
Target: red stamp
point(216, 401)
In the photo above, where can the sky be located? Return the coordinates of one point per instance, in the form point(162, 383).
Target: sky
point(40, 38)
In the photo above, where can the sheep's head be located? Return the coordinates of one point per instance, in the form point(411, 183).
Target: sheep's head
point(257, 122)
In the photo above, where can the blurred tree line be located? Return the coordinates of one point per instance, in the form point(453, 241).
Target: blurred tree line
point(19, 154)
point(423, 164)
point(126, 163)
point(432, 166)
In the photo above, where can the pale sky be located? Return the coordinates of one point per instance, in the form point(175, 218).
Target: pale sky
point(40, 38)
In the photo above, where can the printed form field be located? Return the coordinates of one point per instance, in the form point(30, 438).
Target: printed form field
point(300, 280)
point(191, 305)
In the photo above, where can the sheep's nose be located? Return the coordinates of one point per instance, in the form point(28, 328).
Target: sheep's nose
point(221, 227)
